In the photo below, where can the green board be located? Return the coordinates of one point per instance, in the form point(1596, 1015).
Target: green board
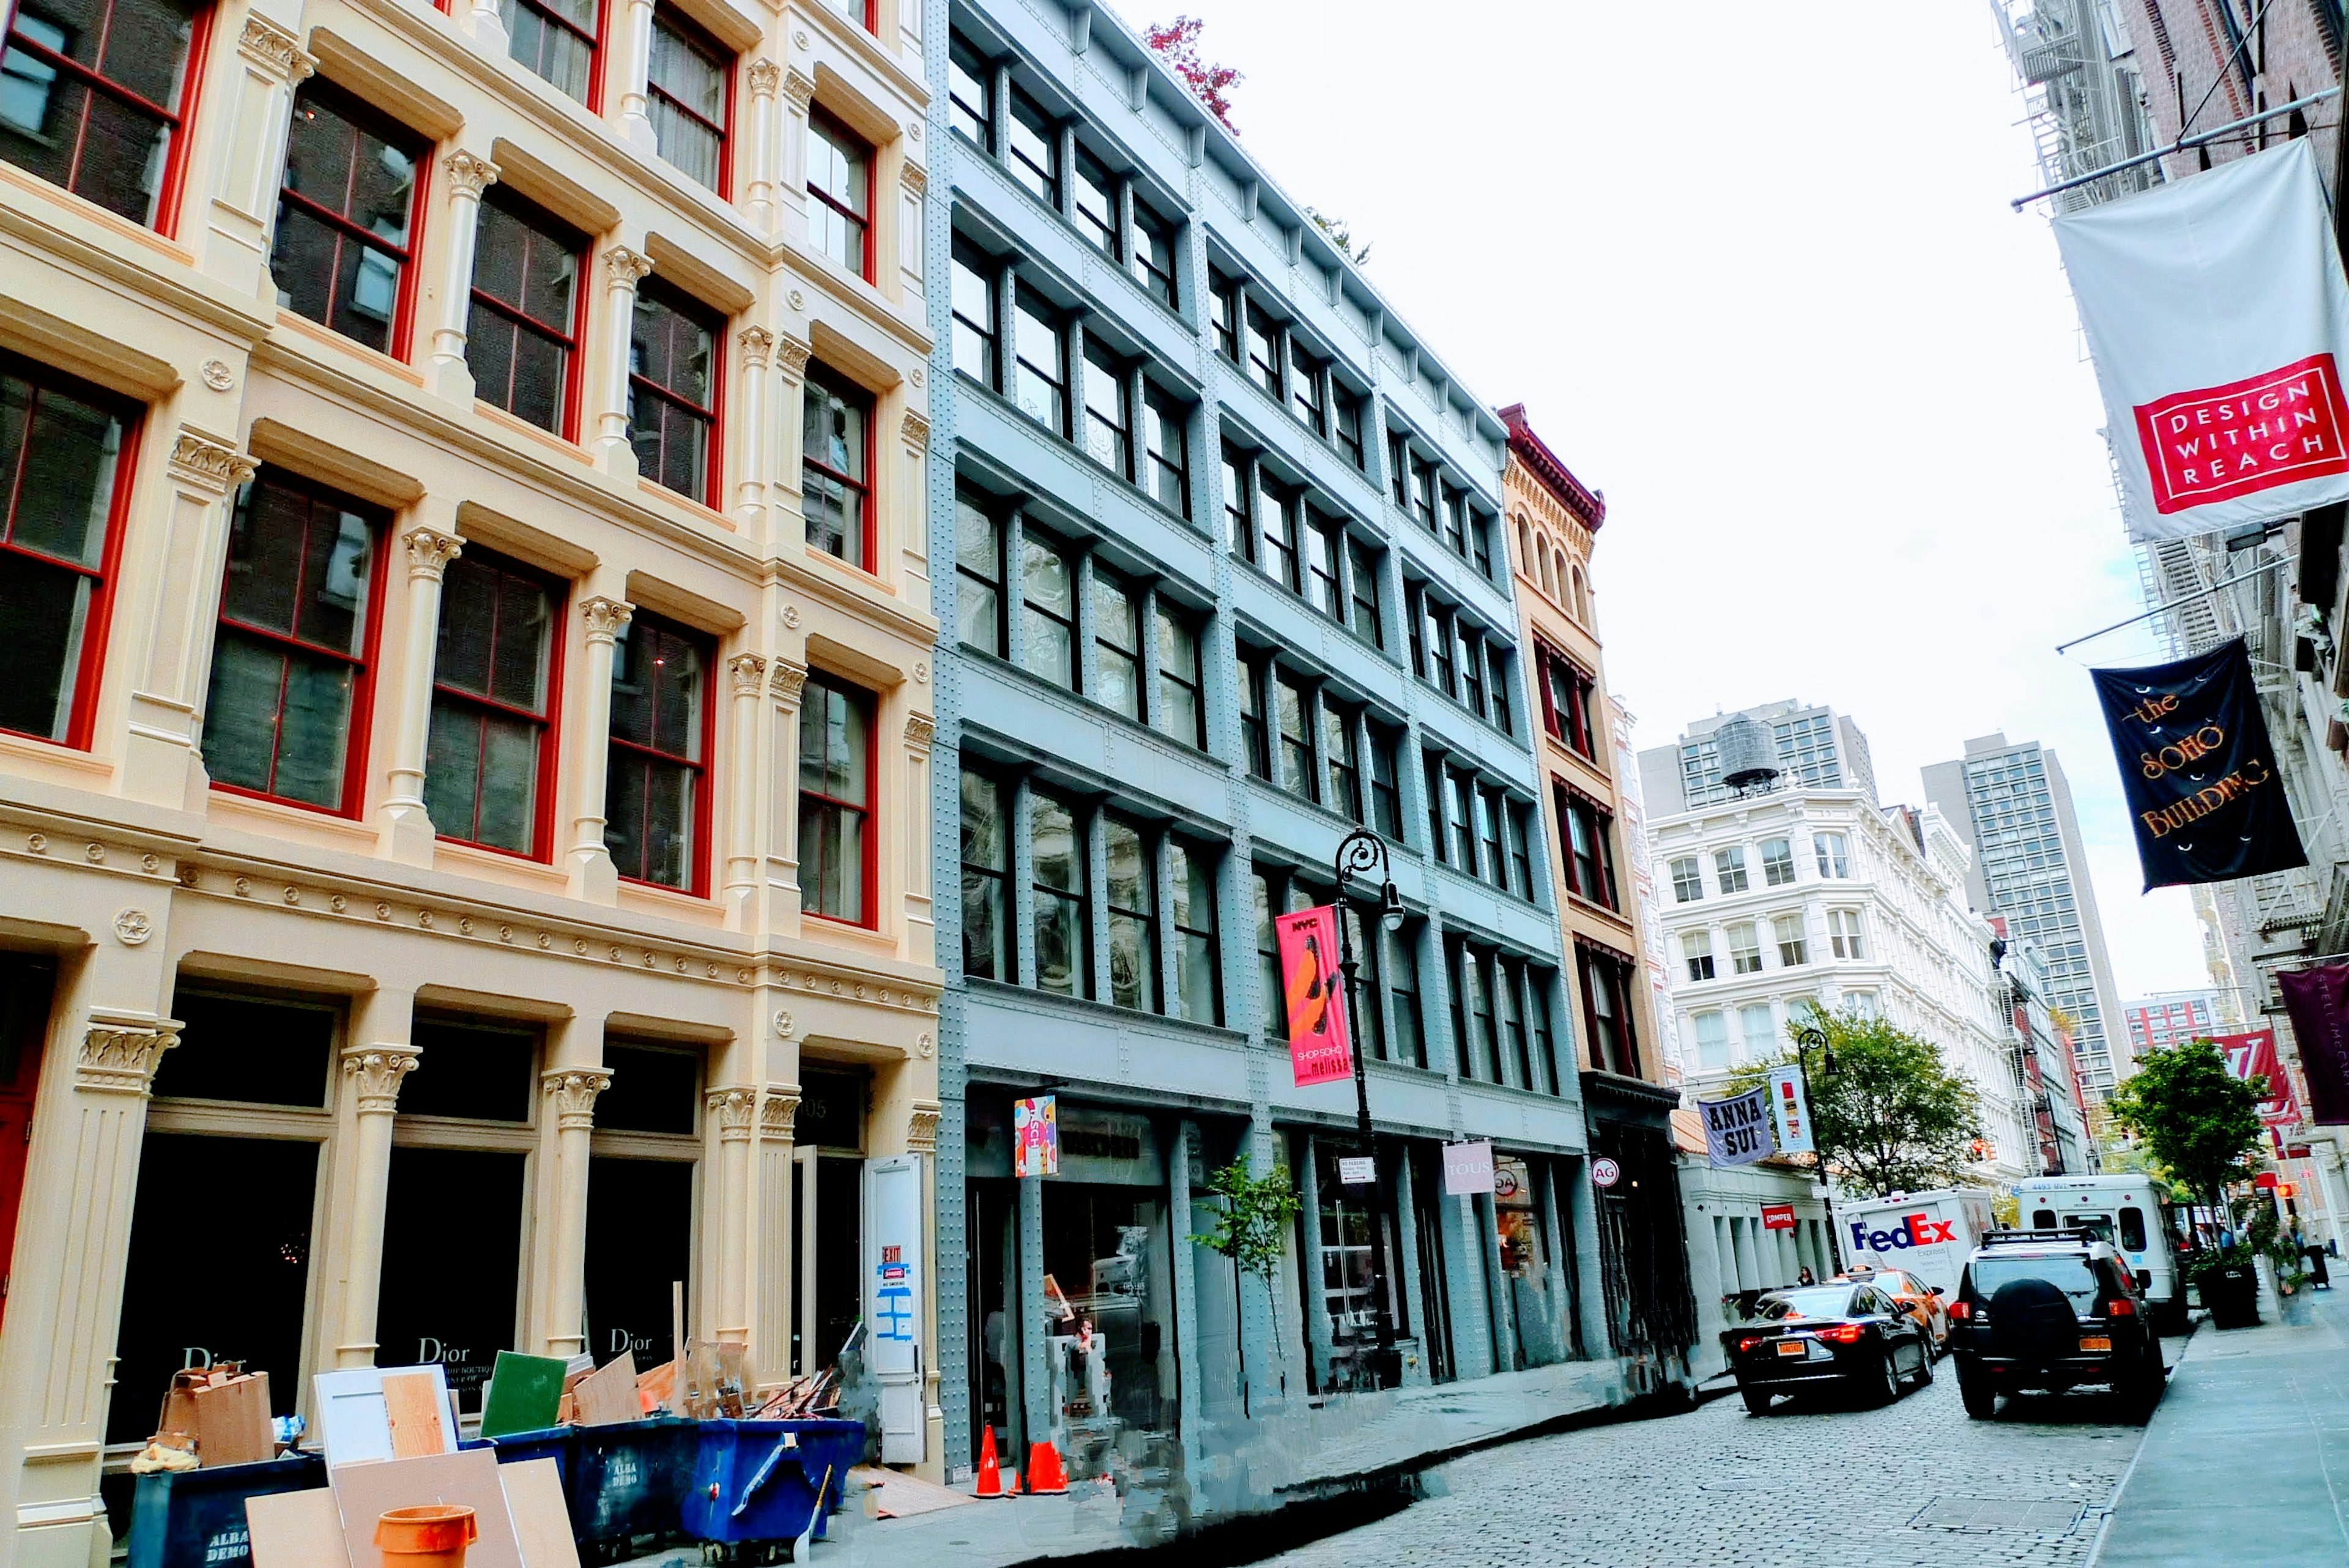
point(525, 1392)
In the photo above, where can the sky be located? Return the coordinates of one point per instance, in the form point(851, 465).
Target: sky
point(1758, 282)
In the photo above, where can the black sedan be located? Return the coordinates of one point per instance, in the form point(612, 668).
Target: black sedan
point(1816, 1337)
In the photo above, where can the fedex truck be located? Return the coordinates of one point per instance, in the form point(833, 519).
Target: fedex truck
point(1930, 1234)
point(2127, 1209)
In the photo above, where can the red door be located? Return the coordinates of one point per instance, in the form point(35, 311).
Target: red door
point(26, 984)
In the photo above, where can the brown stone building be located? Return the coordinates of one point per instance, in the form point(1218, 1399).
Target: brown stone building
point(1552, 523)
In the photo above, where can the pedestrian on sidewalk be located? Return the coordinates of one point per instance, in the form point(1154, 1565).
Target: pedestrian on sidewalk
point(1805, 1277)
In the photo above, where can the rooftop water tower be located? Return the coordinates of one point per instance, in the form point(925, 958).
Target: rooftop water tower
point(1749, 755)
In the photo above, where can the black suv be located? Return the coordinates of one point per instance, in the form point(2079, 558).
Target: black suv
point(2051, 1310)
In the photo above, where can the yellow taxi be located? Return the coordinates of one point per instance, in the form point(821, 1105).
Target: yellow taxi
point(1912, 1296)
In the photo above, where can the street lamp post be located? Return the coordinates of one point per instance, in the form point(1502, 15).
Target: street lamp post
point(1361, 853)
point(1805, 1036)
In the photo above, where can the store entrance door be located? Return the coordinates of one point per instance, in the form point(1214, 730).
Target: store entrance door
point(1434, 1301)
point(27, 986)
point(994, 1261)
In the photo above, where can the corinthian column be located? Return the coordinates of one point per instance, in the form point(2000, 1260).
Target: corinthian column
point(593, 874)
point(742, 886)
point(408, 827)
point(571, 1098)
point(751, 488)
point(758, 174)
point(371, 1078)
point(242, 217)
point(469, 174)
point(732, 1112)
point(623, 270)
point(177, 619)
point(635, 67)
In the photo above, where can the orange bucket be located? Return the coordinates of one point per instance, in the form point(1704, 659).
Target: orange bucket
point(433, 1536)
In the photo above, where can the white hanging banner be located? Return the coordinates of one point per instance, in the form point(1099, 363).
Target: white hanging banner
point(2218, 317)
point(1790, 1111)
point(1737, 1129)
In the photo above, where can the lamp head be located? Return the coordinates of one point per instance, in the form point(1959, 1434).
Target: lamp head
point(1390, 910)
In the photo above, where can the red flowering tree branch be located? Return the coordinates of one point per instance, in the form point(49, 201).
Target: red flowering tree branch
point(1177, 42)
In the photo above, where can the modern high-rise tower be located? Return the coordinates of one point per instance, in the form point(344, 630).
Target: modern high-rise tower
point(2011, 800)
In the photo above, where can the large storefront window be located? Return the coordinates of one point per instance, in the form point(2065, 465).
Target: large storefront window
point(194, 1295)
point(461, 1145)
point(640, 1178)
point(1341, 1284)
point(1520, 1213)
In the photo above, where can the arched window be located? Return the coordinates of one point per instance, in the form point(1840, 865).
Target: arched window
point(1524, 543)
point(1549, 583)
point(1581, 599)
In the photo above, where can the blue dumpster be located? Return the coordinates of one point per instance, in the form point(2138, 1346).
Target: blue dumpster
point(751, 1481)
point(195, 1519)
point(628, 1478)
point(839, 1445)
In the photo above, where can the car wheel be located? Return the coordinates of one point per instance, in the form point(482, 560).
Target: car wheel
point(1891, 1388)
point(1757, 1400)
point(1980, 1395)
point(1924, 1363)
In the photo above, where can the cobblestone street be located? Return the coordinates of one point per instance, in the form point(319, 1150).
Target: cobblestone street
point(1821, 1486)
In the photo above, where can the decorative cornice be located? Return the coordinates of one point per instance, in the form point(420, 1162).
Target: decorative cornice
point(606, 616)
point(777, 1111)
point(469, 174)
point(625, 268)
point(734, 1110)
point(793, 355)
point(375, 1073)
point(757, 344)
point(914, 178)
point(429, 552)
point(573, 1090)
point(800, 89)
point(920, 731)
point(209, 464)
point(1589, 506)
point(922, 1127)
point(765, 76)
point(120, 1059)
point(785, 679)
point(266, 43)
point(917, 429)
point(750, 673)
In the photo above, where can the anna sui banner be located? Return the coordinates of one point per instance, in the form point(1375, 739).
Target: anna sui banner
point(2196, 768)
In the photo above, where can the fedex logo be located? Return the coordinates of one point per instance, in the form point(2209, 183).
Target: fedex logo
point(1915, 1231)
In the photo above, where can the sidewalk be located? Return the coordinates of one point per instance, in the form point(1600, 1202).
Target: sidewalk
point(1270, 1463)
point(2247, 1460)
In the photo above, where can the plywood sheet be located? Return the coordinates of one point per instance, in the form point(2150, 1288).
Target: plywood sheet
point(364, 1492)
point(413, 1405)
point(297, 1529)
point(541, 1522)
point(609, 1393)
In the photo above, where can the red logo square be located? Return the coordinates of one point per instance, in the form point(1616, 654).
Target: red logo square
point(2222, 442)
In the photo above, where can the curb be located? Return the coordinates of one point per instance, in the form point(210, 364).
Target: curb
point(2120, 1488)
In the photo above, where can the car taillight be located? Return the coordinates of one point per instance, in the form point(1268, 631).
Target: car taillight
point(1962, 1310)
point(1843, 1333)
point(2124, 1307)
point(1748, 1343)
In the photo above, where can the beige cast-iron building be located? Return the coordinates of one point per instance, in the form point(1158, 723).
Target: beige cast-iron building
point(464, 704)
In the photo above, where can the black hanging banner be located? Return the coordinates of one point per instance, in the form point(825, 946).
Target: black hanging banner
point(2198, 770)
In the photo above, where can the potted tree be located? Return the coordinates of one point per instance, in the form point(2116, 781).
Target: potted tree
point(2200, 1125)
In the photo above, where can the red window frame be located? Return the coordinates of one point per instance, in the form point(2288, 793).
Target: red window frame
point(368, 119)
point(729, 62)
point(869, 841)
point(697, 884)
point(550, 723)
point(166, 219)
point(594, 42)
point(1573, 728)
point(1625, 1060)
point(819, 374)
point(713, 417)
point(545, 226)
point(98, 623)
point(355, 745)
point(837, 131)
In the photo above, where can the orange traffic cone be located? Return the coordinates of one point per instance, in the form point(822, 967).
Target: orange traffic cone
point(1045, 1477)
point(990, 1474)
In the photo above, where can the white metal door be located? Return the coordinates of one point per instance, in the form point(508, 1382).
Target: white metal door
point(893, 1288)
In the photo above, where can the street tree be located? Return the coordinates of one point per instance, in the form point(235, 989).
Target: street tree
point(2199, 1122)
point(1888, 1116)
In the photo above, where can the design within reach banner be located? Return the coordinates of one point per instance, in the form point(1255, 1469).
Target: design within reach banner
point(2219, 320)
point(1737, 1130)
point(1790, 1113)
point(2198, 770)
point(1319, 1049)
point(2253, 1055)
point(2317, 1000)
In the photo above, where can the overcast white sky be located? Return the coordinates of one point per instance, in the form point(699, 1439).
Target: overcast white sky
point(1754, 274)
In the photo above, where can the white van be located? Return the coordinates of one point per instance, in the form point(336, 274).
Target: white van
point(2128, 1210)
point(1930, 1234)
